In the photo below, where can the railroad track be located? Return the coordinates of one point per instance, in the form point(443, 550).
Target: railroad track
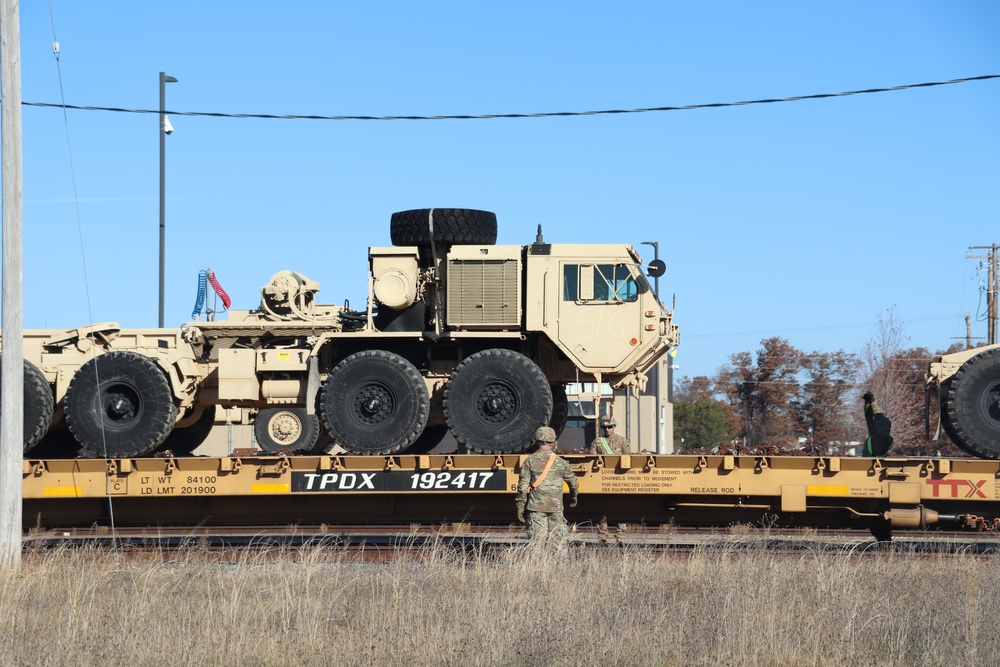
point(387, 542)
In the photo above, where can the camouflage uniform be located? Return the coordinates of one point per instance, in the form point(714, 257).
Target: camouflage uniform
point(545, 520)
point(615, 444)
point(879, 440)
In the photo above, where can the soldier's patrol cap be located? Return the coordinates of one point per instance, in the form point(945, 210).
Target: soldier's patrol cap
point(545, 434)
point(609, 422)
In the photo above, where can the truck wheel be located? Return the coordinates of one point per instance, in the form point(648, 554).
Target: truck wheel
point(119, 404)
point(374, 402)
point(38, 405)
point(972, 412)
point(286, 428)
point(560, 408)
point(495, 400)
point(183, 440)
point(428, 440)
point(464, 226)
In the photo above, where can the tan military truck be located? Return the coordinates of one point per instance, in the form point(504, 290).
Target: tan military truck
point(459, 335)
point(967, 387)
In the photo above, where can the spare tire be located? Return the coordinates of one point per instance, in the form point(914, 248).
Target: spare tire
point(464, 226)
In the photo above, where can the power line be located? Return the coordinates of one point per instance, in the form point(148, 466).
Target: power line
point(554, 114)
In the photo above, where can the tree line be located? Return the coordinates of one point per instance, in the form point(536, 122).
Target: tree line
point(781, 399)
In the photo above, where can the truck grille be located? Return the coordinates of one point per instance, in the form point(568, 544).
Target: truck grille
point(484, 293)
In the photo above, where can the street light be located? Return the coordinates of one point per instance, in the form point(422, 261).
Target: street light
point(165, 129)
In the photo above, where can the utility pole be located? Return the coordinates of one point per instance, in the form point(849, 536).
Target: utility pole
point(992, 287)
point(165, 129)
point(11, 291)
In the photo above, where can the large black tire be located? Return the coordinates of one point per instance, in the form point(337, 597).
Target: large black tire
point(38, 405)
point(495, 400)
point(119, 404)
point(560, 408)
point(183, 440)
point(374, 402)
point(286, 428)
point(464, 226)
point(428, 440)
point(971, 413)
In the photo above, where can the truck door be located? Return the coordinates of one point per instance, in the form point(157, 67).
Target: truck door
point(600, 313)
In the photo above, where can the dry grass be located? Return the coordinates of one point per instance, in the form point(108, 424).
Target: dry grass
point(316, 606)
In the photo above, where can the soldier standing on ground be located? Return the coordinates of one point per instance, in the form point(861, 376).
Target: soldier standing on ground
point(609, 442)
point(540, 492)
point(879, 439)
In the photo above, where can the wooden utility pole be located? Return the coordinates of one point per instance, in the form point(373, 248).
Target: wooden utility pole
point(992, 287)
point(12, 359)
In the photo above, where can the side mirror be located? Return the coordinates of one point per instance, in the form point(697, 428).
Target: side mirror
point(656, 268)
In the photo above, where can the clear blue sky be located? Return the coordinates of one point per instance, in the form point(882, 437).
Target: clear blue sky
point(807, 220)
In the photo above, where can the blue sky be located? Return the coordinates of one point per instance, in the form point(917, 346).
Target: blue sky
point(807, 220)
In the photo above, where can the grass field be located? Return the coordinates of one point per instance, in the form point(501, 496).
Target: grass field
point(319, 606)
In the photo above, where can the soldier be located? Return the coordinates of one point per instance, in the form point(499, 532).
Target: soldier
point(879, 440)
point(610, 442)
point(540, 492)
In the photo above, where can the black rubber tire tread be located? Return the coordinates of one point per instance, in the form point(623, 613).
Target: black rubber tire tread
point(946, 421)
point(428, 440)
point(560, 408)
point(138, 380)
point(457, 226)
point(379, 380)
point(38, 405)
point(972, 410)
point(183, 441)
point(58, 443)
point(309, 429)
point(495, 400)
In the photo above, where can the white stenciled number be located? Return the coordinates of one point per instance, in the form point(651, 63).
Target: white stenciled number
point(483, 478)
point(447, 480)
point(423, 480)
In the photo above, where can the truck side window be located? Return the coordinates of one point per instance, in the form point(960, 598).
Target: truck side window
point(570, 273)
point(598, 282)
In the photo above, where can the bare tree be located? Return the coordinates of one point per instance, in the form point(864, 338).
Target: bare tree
point(761, 391)
point(895, 374)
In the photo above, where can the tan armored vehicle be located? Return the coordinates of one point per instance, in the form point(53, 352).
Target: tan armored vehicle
point(967, 385)
point(459, 335)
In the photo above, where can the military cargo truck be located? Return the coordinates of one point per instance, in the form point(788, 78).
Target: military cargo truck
point(967, 387)
point(459, 335)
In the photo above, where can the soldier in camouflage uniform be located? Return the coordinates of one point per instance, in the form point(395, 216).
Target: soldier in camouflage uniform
point(610, 442)
point(540, 492)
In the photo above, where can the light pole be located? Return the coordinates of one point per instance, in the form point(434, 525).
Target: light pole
point(165, 129)
point(658, 418)
point(656, 256)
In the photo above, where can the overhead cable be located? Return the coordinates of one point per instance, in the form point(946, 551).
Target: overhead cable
point(553, 114)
